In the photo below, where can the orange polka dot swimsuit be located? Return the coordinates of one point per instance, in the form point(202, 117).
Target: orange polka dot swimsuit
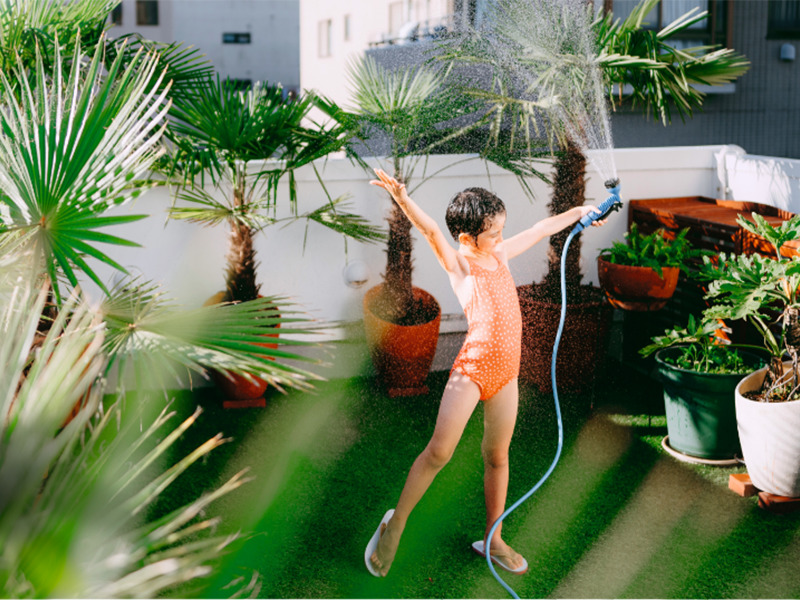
point(491, 352)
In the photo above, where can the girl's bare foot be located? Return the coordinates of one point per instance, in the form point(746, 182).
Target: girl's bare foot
point(383, 557)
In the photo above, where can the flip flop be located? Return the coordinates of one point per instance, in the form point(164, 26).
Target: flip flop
point(373, 543)
point(479, 549)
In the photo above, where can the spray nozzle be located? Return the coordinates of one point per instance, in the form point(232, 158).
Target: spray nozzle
point(611, 204)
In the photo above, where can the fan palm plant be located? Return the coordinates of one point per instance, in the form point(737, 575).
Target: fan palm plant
point(415, 111)
point(551, 64)
point(219, 133)
point(74, 496)
point(73, 148)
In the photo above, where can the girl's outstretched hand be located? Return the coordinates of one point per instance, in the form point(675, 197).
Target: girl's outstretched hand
point(588, 209)
point(390, 184)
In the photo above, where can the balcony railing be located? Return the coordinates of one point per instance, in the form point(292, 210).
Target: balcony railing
point(417, 31)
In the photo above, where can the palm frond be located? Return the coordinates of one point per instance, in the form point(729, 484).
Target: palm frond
point(75, 146)
point(148, 334)
point(349, 224)
point(69, 499)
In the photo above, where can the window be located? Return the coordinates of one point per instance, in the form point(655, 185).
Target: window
point(347, 28)
point(235, 38)
point(395, 18)
point(784, 19)
point(715, 29)
point(324, 38)
point(116, 15)
point(147, 12)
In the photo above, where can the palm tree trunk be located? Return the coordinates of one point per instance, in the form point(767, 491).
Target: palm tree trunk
point(397, 298)
point(569, 191)
point(240, 275)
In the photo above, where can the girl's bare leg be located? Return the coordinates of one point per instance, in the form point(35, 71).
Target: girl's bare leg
point(500, 416)
point(461, 396)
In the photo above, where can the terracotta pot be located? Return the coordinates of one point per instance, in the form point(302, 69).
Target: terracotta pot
point(402, 354)
point(636, 288)
point(584, 342)
point(770, 444)
point(237, 391)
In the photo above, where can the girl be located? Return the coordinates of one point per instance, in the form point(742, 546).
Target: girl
point(487, 366)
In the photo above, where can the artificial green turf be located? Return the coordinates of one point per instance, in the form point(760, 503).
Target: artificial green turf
point(618, 518)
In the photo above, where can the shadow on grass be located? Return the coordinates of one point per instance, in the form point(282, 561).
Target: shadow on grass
point(618, 518)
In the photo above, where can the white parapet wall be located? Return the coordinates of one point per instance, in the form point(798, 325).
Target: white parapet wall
point(763, 179)
point(308, 266)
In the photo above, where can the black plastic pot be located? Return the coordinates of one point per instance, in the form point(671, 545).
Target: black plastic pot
point(701, 407)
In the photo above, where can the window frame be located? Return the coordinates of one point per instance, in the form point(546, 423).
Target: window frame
point(242, 37)
point(324, 50)
point(774, 33)
point(140, 13)
point(348, 28)
point(718, 29)
point(115, 16)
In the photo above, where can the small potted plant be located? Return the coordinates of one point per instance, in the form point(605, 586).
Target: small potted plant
point(700, 370)
point(642, 274)
point(759, 289)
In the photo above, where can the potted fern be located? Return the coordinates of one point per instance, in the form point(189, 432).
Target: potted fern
point(700, 370)
point(642, 274)
point(759, 288)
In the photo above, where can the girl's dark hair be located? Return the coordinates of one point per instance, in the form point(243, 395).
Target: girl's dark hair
point(472, 212)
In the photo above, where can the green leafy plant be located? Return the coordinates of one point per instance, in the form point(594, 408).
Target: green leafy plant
point(244, 144)
point(704, 349)
point(764, 291)
point(654, 251)
point(73, 491)
point(545, 92)
point(409, 109)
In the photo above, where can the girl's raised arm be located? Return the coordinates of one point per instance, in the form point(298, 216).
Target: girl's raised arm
point(449, 258)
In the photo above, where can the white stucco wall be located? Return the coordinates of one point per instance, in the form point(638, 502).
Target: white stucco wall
point(189, 259)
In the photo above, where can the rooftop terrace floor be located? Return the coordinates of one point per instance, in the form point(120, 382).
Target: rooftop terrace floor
point(618, 518)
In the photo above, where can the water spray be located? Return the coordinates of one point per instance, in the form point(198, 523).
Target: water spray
point(611, 204)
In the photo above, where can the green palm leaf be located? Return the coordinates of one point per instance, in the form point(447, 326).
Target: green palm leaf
point(74, 148)
point(146, 333)
point(70, 499)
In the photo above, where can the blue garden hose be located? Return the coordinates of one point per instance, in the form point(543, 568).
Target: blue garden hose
point(612, 203)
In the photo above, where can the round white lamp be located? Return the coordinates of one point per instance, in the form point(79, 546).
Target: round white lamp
point(355, 274)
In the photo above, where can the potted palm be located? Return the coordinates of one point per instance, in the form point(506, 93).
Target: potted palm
point(409, 109)
point(56, 198)
point(642, 274)
point(700, 370)
point(546, 82)
point(244, 144)
point(759, 289)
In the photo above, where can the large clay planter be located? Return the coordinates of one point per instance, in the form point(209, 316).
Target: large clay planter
point(701, 408)
point(238, 391)
point(636, 288)
point(402, 354)
point(770, 441)
point(583, 348)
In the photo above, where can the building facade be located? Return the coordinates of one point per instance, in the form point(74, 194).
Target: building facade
point(245, 40)
point(760, 112)
point(333, 32)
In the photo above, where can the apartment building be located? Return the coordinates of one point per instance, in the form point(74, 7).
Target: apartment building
point(246, 40)
point(333, 32)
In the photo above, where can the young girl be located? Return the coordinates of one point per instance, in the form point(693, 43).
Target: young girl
point(487, 366)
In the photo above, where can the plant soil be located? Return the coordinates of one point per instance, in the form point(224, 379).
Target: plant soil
point(543, 292)
point(385, 308)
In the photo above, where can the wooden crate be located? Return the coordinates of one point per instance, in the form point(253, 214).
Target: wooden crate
point(712, 226)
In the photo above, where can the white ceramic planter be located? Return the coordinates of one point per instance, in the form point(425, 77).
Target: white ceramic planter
point(770, 437)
